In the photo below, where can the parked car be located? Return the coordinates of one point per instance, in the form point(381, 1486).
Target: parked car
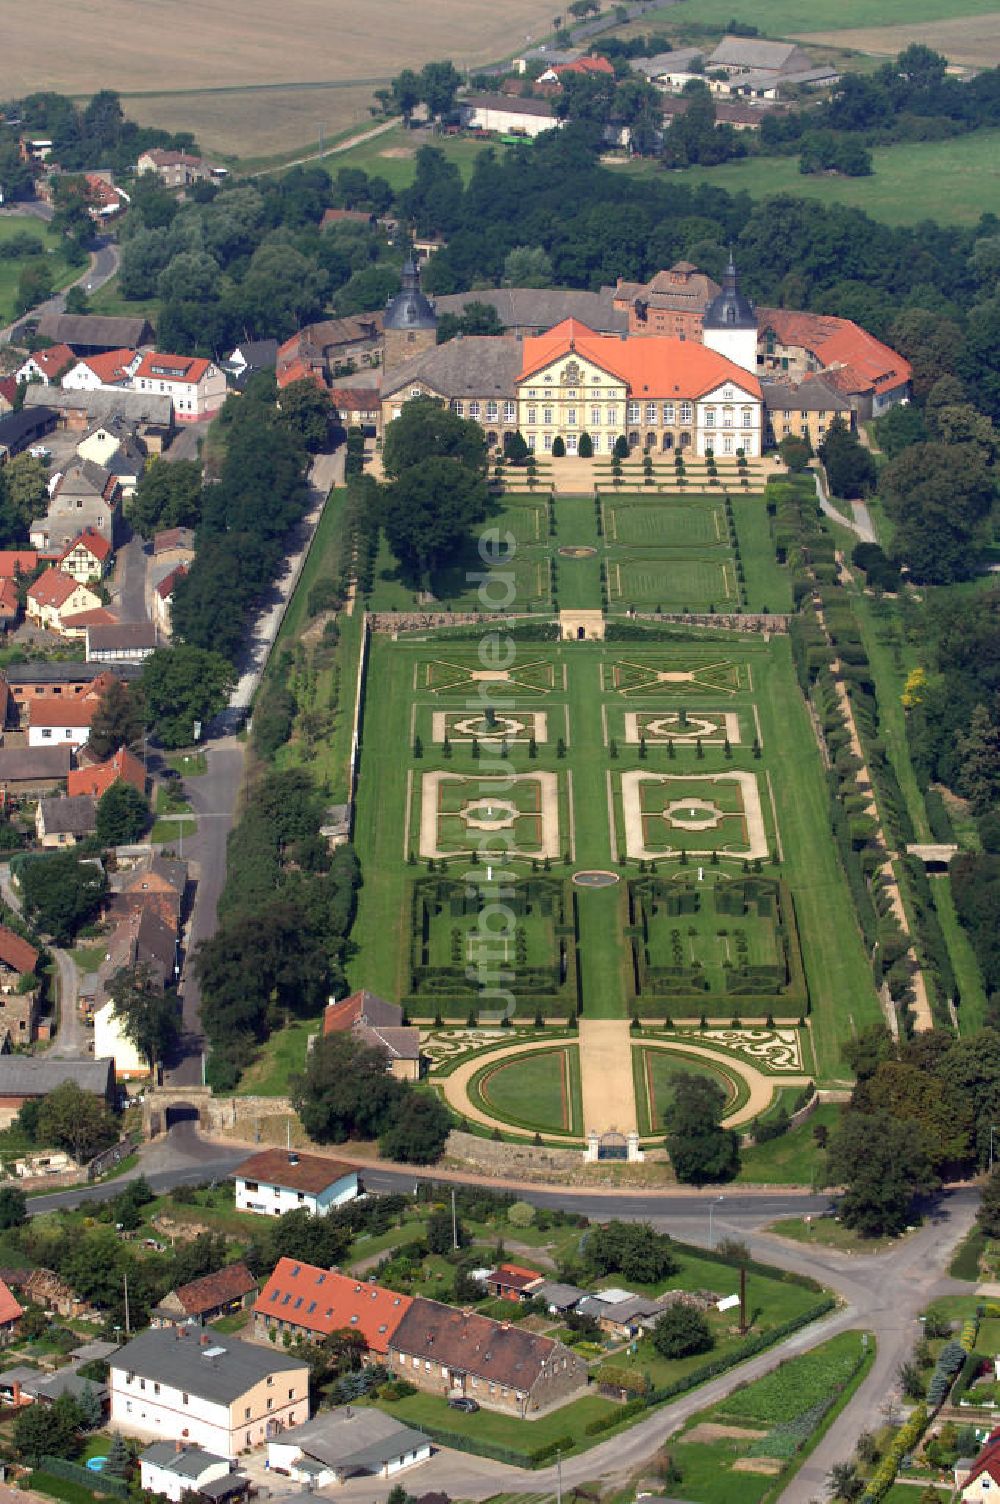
point(461, 1403)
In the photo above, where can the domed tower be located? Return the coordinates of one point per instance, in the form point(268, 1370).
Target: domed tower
point(410, 322)
point(730, 323)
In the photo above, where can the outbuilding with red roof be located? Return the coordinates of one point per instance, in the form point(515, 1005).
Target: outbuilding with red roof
point(310, 1302)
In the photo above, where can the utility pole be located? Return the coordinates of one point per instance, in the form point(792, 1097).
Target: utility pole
point(558, 1477)
point(128, 1326)
point(743, 1300)
point(992, 1131)
point(454, 1221)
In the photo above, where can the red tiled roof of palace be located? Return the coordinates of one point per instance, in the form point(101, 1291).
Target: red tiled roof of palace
point(656, 366)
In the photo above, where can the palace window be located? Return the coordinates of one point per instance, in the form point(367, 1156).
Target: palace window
point(634, 412)
point(650, 412)
point(571, 415)
point(531, 442)
point(459, 409)
point(571, 443)
point(595, 417)
point(532, 415)
point(509, 412)
point(492, 411)
point(547, 442)
point(685, 412)
point(668, 412)
point(727, 417)
point(710, 417)
point(727, 443)
point(747, 418)
point(474, 409)
point(546, 415)
point(612, 416)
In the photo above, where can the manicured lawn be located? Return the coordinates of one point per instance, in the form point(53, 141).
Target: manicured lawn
point(968, 976)
point(188, 764)
point(503, 1430)
point(108, 300)
point(168, 803)
point(767, 586)
point(961, 169)
point(653, 1071)
point(536, 1090)
point(88, 958)
point(793, 1159)
point(377, 159)
point(168, 831)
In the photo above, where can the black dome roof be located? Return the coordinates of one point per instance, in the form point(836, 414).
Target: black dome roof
point(409, 309)
point(731, 309)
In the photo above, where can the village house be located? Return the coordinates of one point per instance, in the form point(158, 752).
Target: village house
point(54, 598)
point(379, 1024)
point(11, 1312)
point(44, 367)
point(173, 545)
point(502, 1366)
point(88, 557)
point(794, 345)
point(8, 394)
point(196, 387)
point(96, 778)
point(346, 1442)
point(204, 1300)
point(329, 348)
point(84, 496)
point(25, 1078)
point(176, 1472)
point(163, 600)
point(756, 67)
point(357, 407)
point(110, 369)
point(65, 821)
point(106, 199)
point(29, 684)
point(223, 1395)
point(120, 642)
point(18, 990)
point(512, 1282)
point(159, 884)
point(619, 1313)
point(175, 169)
point(309, 1303)
point(10, 604)
point(279, 1180)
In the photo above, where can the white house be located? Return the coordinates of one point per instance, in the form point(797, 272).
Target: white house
point(172, 1469)
point(109, 371)
point(111, 1039)
point(196, 387)
point(45, 365)
point(280, 1180)
point(344, 1443)
point(508, 115)
point(213, 1392)
point(88, 557)
point(54, 721)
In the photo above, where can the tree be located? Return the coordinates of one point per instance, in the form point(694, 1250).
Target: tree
point(939, 497)
point(425, 430)
point(439, 83)
point(844, 1481)
point(428, 512)
point(118, 719)
point(182, 685)
point(883, 1166)
point(406, 92)
point(527, 266)
point(418, 1129)
point(47, 1430)
point(475, 318)
point(91, 1409)
point(633, 1249)
point(34, 286)
point(988, 1215)
point(122, 815)
point(439, 1231)
point(700, 1148)
point(117, 1462)
point(61, 892)
point(149, 1016)
point(26, 477)
point(306, 409)
point(979, 754)
point(796, 453)
point(850, 468)
point(76, 1121)
point(585, 448)
point(13, 1208)
point(682, 1331)
point(168, 495)
point(345, 1090)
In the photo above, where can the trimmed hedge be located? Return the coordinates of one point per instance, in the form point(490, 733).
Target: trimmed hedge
point(904, 1441)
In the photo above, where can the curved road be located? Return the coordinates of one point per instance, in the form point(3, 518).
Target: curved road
point(102, 267)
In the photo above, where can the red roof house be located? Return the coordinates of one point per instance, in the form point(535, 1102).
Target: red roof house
point(311, 1302)
point(124, 766)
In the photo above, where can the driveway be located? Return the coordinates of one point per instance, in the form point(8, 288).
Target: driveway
point(73, 1038)
point(130, 581)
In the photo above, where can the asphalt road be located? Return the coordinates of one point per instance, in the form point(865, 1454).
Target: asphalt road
point(103, 266)
point(130, 581)
point(72, 1035)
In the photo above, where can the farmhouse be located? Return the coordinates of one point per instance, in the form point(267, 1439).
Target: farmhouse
point(77, 412)
point(85, 497)
point(55, 598)
point(310, 1303)
point(502, 1366)
point(203, 1300)
point(163, 600)
point(18, 990)
point(11, 1312)
point(794, 345)
point(347, 1442)
point(88, 557)
point(97, 778)
point(30, 771)
point(110, 369)
point(175, 169)
point(512, 1282)
point(504, 115)
point(120, 642)
point(224, 1395)
point(278, 1180)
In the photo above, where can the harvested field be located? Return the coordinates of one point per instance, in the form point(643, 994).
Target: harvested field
point(153, 47)
point(258, 121)
point(971, 40)
point(767, 1465)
